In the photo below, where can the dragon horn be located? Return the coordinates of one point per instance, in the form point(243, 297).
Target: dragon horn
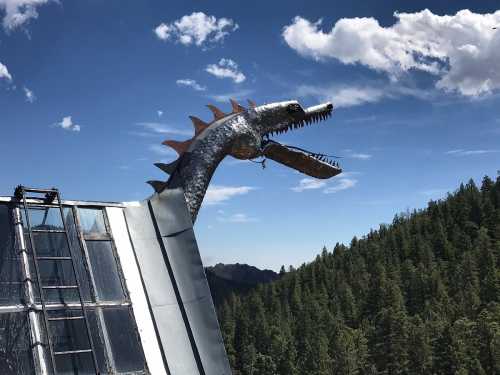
point(158, 186)
point(179, 147)
point(236, 107)
point(168, 168)
point(218, 114)
point(199, 125)
point(251, 103)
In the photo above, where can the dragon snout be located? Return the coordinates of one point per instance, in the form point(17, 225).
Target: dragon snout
point(319, 110)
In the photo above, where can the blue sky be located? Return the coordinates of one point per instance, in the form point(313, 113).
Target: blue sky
point(89, 90)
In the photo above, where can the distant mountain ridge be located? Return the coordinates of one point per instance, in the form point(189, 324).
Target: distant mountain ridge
point(225, 279)
point(243, 273)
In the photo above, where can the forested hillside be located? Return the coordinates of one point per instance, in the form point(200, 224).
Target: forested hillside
point(419, 296)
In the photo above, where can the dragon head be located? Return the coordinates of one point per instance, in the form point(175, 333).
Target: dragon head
point(244, 134)
point(262, 122)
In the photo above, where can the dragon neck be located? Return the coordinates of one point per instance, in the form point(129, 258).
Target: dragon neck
point(197, 165)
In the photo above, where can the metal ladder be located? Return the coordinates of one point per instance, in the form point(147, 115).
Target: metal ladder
point(52, 199)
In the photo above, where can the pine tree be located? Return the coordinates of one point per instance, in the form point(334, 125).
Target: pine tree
point(420, 351)
point(488, 281)
point(488, 338)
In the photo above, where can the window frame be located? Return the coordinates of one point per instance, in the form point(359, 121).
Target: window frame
point(108, 236)
point(72, 208)
point(98, 305)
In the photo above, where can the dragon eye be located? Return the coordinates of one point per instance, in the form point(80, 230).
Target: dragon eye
point(293, 108)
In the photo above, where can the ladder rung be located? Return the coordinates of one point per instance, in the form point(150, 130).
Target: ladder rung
point(41, 205)
point(73, 352)
point(48, 231)
point(66, 318)
point(53, 258)
point(34, 190)
point(60, 287)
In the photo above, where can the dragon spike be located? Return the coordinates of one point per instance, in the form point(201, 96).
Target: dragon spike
point(168, 168)
point(199, 125)
point(251, 103)
point(236, 107)
point(158, 186)
point(179, 147)
point(218, 114)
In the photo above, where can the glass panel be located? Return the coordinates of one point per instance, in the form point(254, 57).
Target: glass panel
point(56, 272)
point(105, 271)
point(75, 364)
point(92, 221)
point(50, 244)
point(79, 258)
point(72, 335)
point(53, 274)
point(98, 341)
point(127, 351)
point(11, 286)
point(15, 348)
point(44, 218)
point(68, 334)
point(60, 272)
point(57, 296)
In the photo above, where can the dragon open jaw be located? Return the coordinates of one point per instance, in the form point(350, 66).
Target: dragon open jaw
point(313, 164)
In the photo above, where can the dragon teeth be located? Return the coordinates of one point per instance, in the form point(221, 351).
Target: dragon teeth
point(312, 119)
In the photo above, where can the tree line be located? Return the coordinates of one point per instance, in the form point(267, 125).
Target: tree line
point(418, 296)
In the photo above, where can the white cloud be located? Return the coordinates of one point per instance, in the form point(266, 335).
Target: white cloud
point(356, 155)
point(18, 12)
point(190, 83)
point(217, 193)
point(360, 156)
point(159, 113)
point(4, 73)
point(355, 94)
point(67, 124)
point(155, 128)
point(461, 50)
point(197, 28)
point(341, 184)
point(343, 96)
point(29, 94)
point(462, 152)
point(236, 95)
point(308, 184)
point(237, 218)
point(343, 181)
point(226, 68)
point(163, 31)
point(162, 150)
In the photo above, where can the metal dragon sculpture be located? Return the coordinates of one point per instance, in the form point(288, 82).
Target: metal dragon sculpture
point(244, 134)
